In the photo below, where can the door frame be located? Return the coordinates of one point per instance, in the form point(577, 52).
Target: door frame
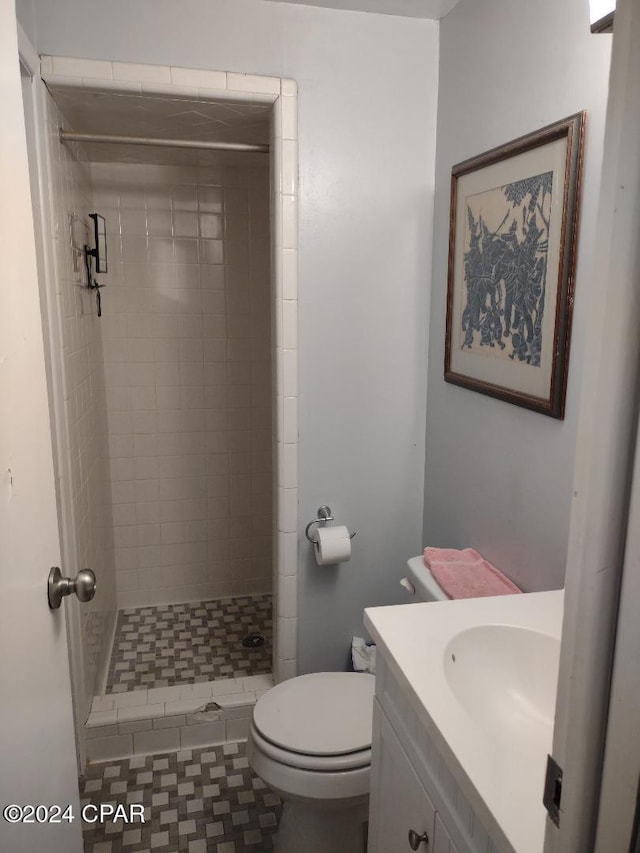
point(604, 460)
point(619, 806)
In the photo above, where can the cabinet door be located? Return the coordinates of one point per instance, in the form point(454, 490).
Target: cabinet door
point(442, 843)
point(398, 800)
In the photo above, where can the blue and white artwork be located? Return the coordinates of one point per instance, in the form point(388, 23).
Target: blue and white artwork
point(505, 269)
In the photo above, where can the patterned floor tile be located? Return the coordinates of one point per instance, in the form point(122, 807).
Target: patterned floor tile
point(177, 643)
point(224, 807)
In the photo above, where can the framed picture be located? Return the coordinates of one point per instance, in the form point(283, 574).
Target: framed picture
point(512, 249)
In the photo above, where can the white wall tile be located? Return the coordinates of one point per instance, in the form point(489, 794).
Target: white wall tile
point(134, 726)
point(290, 420)
point(219, 688)
point(289, 373)
point(288, 669)
point(102, 718)
point(237, 729)
point(287, 510)
point(288, 87)
point(177, 411)
point(157, 740)
point(139, 73)
point(257, 682)
point(87, 68)
point(160, 89)
point(288, 602)
point(102, 703)
point(96, 732)
point(236, 700)
point(287, 637)
point(203, 734)
point(288, 550)
point(129, 699)
point(289, 274)
point(289, 222)
point(185, 706)
point(109, 748)
point(289, 324)
point(200, 691)
point(288, 459)
point(140, 712)
point(253, 83)
point(289, 117)
point(198, 78)
point(169, 722)
point(289, 167)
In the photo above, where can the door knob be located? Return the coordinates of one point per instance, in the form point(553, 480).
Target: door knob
point(84, 586)
point(416, 840)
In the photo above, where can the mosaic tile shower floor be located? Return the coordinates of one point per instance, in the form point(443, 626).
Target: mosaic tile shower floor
point(176, 643)
point(195, 801)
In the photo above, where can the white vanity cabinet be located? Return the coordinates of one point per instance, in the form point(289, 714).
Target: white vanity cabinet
point(399, 803)
point(465, 697)
point(412, 787)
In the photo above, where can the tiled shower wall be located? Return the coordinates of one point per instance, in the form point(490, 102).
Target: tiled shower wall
point(80, 432)
point(187, 346)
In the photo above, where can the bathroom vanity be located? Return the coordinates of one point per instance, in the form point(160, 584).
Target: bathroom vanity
point(463, 723)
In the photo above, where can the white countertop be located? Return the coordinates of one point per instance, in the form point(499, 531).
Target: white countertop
point(507, 777)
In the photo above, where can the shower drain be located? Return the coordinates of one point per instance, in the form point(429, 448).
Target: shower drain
point(253, 641)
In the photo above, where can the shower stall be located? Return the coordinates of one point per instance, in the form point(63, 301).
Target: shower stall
point(187, 359)
point(170, 377)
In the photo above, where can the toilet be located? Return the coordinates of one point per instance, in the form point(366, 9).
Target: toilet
point(310, 742)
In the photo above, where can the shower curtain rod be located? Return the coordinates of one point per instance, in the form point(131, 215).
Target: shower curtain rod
point(70, 136)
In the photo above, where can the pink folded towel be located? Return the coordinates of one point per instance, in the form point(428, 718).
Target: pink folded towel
point(465, 574)
point(450, 555)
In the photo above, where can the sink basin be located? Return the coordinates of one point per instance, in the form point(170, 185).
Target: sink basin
point(505, 677)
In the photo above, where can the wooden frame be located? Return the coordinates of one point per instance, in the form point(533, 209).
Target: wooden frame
point(512, 250)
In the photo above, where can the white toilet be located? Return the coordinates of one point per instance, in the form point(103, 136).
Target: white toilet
point(310, 741)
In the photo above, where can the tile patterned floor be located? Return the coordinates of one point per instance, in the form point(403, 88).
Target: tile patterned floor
point(196, 801)
point(176, 643)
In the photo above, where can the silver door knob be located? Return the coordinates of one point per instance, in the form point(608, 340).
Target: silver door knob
point(416, 840)
point(84, 586)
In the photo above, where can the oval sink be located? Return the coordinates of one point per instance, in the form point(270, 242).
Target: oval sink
point(506, 678)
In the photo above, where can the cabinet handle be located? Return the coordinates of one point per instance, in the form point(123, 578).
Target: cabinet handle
point(416, 840)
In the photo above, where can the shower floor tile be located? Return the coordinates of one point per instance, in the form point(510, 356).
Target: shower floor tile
point(185, 643)
point(195, 801)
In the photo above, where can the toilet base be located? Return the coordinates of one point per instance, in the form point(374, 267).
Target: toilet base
point(319, 830)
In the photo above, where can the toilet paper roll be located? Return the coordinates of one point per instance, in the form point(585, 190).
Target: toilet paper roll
point(333, 545)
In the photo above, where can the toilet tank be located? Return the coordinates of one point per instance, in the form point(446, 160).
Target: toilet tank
point(425, 587)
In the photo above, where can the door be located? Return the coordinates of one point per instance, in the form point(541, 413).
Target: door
point(600, 521)
point(619, 814)
point(38, 763)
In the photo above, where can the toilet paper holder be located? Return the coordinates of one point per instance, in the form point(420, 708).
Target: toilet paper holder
point(324, 515)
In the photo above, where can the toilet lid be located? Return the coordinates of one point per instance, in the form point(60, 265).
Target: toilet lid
point(324, 713)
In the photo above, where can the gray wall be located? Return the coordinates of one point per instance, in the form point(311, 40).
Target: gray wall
point(499, 477)
point(367, 112)
point(25, 12)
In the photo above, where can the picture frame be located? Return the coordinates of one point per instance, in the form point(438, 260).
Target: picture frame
point(512, 251)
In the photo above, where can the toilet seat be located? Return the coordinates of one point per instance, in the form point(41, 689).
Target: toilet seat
point(321, 721)
point(321, 763)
